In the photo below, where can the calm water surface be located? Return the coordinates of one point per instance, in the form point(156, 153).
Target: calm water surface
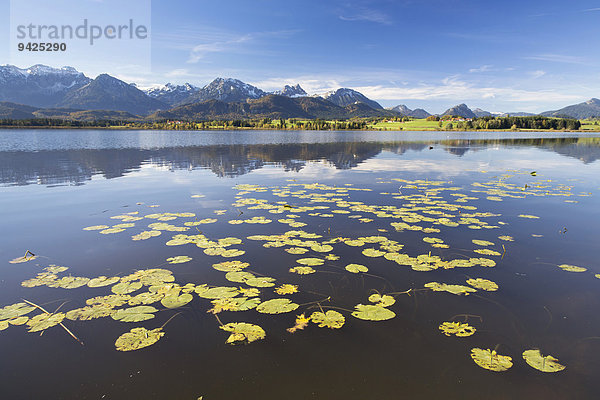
point(55, 183)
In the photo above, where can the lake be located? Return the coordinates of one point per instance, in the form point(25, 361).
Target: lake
point(363, 244)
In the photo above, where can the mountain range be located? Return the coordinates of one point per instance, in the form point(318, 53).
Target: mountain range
point(41, 91)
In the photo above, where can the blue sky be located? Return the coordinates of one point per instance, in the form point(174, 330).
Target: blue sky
point(499, 56)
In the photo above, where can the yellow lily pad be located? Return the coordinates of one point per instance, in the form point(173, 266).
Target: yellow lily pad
point(542, 363)
point(302, 270)
point(483, 284)
point(126, 287)
point(89, 312)
point(311, 261)
point(491, 360)
point(286, 288)
point(382, 301)
point(457, 328)
point(179, 259)
point(454, 289)
point(356, 268)
point(572, 268)
point(174, 301)
point(373, 252)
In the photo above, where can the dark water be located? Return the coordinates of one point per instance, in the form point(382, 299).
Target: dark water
point(54, 183)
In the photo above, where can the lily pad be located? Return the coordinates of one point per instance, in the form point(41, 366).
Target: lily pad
point(382, 301)
point(89, 312)
point(174, 301)
point(217, 292)
point(276, 306)
point(483, 284)
point(134, 314)
point(261, 281)
point(572, 268)
point(457, 328)
point(179, 259)
point(311, 261)
point(243, 332)
point(491, 360)
point(286, 288)
point(302, 270)
point(542, 363)
point(454, 289)
point(356, 268)
point(103, 281)
point(228, 266)
point(330, 319)
point(44, 321)
point(126, 287)
point(138, 338)
point(301, 323)
point(15, 310)
point(372, 313)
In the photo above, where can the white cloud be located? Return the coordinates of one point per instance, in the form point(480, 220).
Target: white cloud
point(537, 74)
point(557, 58)
point(366, 14)
point(483, 68)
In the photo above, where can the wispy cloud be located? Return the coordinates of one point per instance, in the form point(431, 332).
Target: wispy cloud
point(483, 68)
point(201, 50)
point(591, 9)
point(557, 58)
point(365, 14)
point(537, 74)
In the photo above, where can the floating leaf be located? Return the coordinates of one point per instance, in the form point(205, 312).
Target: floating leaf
point(506, 238)
point(238, 276)
point(484, 284)
point(261, 281)
point(138, 338)
point(373, 252)
point(457, 328)
point(302, 270)
point(112, 300)
point(111, 230)
point(228, 266)
point(145, 235)
point(234, 304)
point(487, 252)
point(179, 259)
point(145, 298)
point(330, 319)
point(491, 360)
point(217, 292)
point(89, 312)
point(482, 242)
point(372, 313)
point(356, 268)
point(454, 289)
point(572, 268)
point(286, 288)
point(311, 261)
point(70, 282)
point(126, 287)
point(249, 292)
point(42, 322)
point(55, 269)
point(545, 364)
point(382, 301)
point(296, 250)
point(134, 314)
point(95, 228)
point(301, 323)
point(15, 310)
point(174, 301)
point(103, 281)
point(276, 306)
point(528, 216)
point(243, 332)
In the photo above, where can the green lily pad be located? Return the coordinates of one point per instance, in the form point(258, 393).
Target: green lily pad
point(134, 314)
point(243, 332)
point(276, 306)
point(238, 276)
point(372, 313)
point(261, 281)
point(217, 292)
point(44, 321)
point(572, 268)
point(89, 312)
point(138, 338)
point(174, 301)
point(15, 310)
point(382, 301)
point(483, 284)
point(126, 287)
point(330, 319)
point(103, 281)
point(179, 259)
